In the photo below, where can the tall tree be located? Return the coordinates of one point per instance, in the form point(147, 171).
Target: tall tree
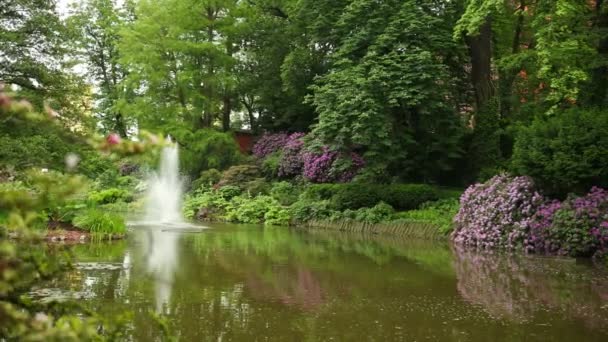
point(96, 25)
point(33, 53)
point(180, 56)
point(389, 90)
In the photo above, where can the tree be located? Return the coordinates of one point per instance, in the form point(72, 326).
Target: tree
point(180, 57)
point(96, 25)
point(389, 90)
point(32, 58)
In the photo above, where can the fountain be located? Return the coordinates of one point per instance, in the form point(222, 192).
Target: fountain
point(162, 221)
point(165, 190)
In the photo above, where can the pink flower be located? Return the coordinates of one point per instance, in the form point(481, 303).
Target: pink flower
point(113, 139)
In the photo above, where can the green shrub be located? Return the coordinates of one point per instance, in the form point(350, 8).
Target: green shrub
point(379, 213)
point(207, 178)
point(111, 195)
point(204, 149)
point(399, 196)
point(277, 216)
point(270, 165)
point(239, 175)
point(408, 196)
point(305, 210)
point(214, 200)
point(228, 192)
point(564, 153)
point(440, 213)
point(258, 186)
point(100, 222)
point(284, 192)
point(246, 209)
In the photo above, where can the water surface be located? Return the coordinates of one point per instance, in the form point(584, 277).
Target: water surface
point(246, 283)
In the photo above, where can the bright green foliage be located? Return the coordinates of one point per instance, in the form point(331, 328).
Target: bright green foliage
point(207, 178)
point(355, 196)
point(100, 223)
point(565, 48)
point(95, 25)
point(239, 175)
point(567, 152)
point(381, 212)
point(205, 149)
point(270, 165)
point(389, 89)
point(180, 60)
point(439, 213)
point(111, 195)
point(34, 41)
point(307, 209)
point(284, 192)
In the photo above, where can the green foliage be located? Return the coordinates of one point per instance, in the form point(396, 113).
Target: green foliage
point(284, 192)
point(565, 153)
point(306, 209)
point(204, 149)
point(111, 195)
point(277, 216)
point(400, 115)
point(207, 178)
point(100, 223)
point(246, 209)
point(440, 213)
point(270, 165)
point(381, 212)
point(258, 186)
point(239, 175)
point(400, 196)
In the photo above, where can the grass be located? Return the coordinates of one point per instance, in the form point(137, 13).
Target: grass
point(100, 223)
point(440, 213)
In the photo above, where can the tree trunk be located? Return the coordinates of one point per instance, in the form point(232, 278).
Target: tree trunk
point(119, 125)
point(480, 50)
point(226, 110)
point(485, 145)
point(599, 95)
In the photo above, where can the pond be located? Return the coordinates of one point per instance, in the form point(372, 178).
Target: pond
point(245, 283)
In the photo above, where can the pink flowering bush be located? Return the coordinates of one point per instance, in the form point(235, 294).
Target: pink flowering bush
point(292, 162)
point(331, 166)
point(496, 214)
point(576, 227)
point(270, 143)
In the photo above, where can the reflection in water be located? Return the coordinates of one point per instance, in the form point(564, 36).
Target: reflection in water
point(247, 283)
point(517, 288)
point(160, 253)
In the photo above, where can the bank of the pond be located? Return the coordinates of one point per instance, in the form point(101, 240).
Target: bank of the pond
point(418, 230)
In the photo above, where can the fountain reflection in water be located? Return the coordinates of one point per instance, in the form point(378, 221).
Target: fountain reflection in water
point(162, 211)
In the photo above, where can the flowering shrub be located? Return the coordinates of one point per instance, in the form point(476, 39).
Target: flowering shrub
point(270, 143)
point(576, 227)
point(317, 167)
point(496, 213)
point(292, 161)
point(330, 166)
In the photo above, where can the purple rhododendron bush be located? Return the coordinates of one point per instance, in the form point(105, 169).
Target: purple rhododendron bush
point(324, 166)
point(496, 213)
point(508, 212)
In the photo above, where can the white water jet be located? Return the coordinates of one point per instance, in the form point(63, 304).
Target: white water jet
point(165, 190)
point(163, 209)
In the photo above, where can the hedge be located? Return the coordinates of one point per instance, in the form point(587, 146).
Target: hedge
point(356, 195)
